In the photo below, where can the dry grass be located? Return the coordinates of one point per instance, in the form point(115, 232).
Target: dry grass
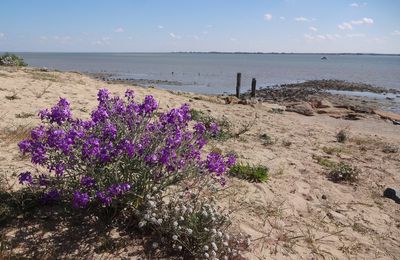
point(38, 75)
point(15, 134)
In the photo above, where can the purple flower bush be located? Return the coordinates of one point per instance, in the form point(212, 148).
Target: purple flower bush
point(124, 152)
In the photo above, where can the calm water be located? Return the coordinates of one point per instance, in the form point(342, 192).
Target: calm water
point(216, 73)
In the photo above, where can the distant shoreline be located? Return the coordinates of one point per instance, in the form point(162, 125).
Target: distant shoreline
point(215, 52)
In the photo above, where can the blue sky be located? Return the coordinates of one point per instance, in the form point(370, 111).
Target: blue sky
point(200, 25)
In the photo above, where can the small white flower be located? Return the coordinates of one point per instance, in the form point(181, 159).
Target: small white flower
point(182, 218)
point(155, 245)
point(219, 233)
point(174, 237)
point(152, 203)
point(206, 255)
point(205, 248)
point(225, 243)
point(206, 229)
point(227, 237)
point(142, 223)
point(214, 231)
point(180, 248)
point(205, 214)
point(214, 246)
point(175, 223)
point(159, 221)
point(213, 253)
point(190, 231)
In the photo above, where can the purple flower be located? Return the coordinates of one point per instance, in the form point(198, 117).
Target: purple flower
point(25, 177)
point(118, 189)
point(103, 95)
point(129, 94)
point(52, 195)
point(38, 133)
point(80, 200)
point(199, 128)
point(110, 131)
point(104, 199)
point(59, 169)
point(214, 129)
point(87, 181)
point(59, 113)
point(231, 160)
point(25, 146)
point(149, 105)
point(43, 180)
point(99, 115)
point(215, 163)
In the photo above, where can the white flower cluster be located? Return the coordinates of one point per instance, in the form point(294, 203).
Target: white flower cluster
point(193, 226)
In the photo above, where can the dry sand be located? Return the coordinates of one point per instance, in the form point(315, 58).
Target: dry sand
point(298, 213)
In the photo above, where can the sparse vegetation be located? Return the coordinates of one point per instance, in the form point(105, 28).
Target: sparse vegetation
point(343, 172)
point(24, 115)
point(342, 136)
point(9, 59)
point(266, 139)
point(257, 173)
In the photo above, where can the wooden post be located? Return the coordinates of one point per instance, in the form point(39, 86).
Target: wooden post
point(253, 87)
point(238, 82)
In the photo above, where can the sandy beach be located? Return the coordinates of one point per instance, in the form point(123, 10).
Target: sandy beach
point(297, 214)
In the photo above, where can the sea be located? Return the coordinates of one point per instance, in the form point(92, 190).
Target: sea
point(215, 73)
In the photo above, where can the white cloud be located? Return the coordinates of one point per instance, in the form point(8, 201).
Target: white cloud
point(105, 40)
point(312, 28)
point(204, 32)
point(210, 26)
point(396, 33)
point(267, 17)
point(358, 4)
point(196, 37)
point(309, 37)
point(160, 27)
point(173, 35)
point(355, 35)
point(43, 38)
point(233, 39)
point(364, 20)
point(301, 19)
point(345, 26)
point(130, 38)
point(323, 37)
point(2, 35)
point(282, 18)
point(119, 30)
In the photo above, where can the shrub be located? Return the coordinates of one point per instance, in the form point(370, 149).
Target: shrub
point(343, 172)
point(12, 60)
point(192, 227)
point(256, 173)
point(342, 136)
point(122, 151)
point(127, 162)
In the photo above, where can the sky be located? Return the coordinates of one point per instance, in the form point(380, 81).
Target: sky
point(371, 26)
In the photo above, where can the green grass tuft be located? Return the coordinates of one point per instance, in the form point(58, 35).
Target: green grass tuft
point(257, 173)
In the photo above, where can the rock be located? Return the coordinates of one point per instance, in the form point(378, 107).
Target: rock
point(303, 108)
point(352, 116)
point(396, 122)
point(323, 103)
point(231, 100)
point(390, 149)
point(248, 101)
point(392, 194)
point(323, 197)
point(387, 115)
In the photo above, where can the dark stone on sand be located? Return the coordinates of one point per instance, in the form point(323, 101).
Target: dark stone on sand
point(323, 197)
point(303, 108)
point(392, 194)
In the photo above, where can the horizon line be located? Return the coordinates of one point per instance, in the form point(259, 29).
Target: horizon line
point(209, 52)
